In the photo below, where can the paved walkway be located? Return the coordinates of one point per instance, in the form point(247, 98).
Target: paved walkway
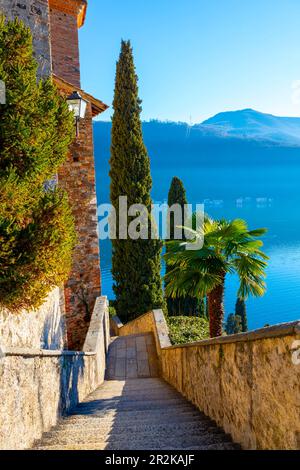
point(134, 410)
point(132, 357)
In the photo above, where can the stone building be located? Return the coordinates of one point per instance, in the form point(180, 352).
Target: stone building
point(55, 24)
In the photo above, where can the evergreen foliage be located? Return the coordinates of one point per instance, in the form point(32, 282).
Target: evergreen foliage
point(240, 309)
point(36, 128)
point(136, 264)
point(185, 305)
point(177, 195)
point(233, 324)
point(184, 329)
point(229, 246)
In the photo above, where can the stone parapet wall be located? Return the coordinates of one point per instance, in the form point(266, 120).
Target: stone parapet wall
point(115, 325)
point(249, 384)
point(43, 328)
point(38, 387)
point(151, 322)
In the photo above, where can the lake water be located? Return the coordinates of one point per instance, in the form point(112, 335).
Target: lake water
point(268, 196)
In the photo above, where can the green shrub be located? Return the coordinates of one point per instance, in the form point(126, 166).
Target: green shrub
point(187, 329)
point(37, 233)
point(112, 309)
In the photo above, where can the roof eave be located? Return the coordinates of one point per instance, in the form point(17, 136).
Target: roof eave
point(77, 8)
point(98, 106)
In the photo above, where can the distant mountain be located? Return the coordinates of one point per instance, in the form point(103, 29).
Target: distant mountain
point(228, 140)
point(251, 124)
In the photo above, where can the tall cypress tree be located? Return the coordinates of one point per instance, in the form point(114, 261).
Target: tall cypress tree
point(136, 264)
point(240, 309)
point(181, 305)
point(177, 195)
point(233, 324)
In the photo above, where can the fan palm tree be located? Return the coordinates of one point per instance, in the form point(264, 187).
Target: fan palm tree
point(229, 247)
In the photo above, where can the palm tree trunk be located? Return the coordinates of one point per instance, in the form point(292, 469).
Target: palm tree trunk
point(216, 309)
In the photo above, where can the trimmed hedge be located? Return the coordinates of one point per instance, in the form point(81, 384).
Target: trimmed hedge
point(187, 329)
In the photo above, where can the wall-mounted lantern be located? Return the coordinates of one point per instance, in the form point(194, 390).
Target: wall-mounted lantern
point(78, 105)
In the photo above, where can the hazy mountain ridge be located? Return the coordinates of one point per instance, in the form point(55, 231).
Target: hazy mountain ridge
point(228, 140)
point(246, 125)
point(251, 124)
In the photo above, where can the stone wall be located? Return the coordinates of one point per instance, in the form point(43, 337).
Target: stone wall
point(77, 177)
point(43, 328)
point(153, 322)
point(37, 387)
point(247, 383)
point(64, 44)
point(35, 13)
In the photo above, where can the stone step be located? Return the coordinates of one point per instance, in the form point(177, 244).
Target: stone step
point(129, 405)
point(101, 435)
point(162, 413)
point(163, 399)
point(159, 415)
point(137, 396)
point(163, 428)
point(109, 424)
point(96, 421)
point(123, 442)
point(139, 414)
point(98, 447)
point(204, 442)
point(121, 390)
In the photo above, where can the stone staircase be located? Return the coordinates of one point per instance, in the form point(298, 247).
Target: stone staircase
point(135, 410)
point(132, 357)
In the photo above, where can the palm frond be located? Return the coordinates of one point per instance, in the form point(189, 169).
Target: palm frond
point(195, 283)
point(228, 247)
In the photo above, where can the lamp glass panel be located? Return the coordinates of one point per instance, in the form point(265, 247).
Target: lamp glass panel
point(74, 105)
point(83, 106)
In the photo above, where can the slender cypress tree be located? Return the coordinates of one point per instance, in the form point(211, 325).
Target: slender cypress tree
point(233, 324)
point(181, 305)
point(136, 264)
point(240, 309)
point(177, 195)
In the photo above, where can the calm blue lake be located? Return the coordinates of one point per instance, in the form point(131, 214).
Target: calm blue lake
point(266, 196)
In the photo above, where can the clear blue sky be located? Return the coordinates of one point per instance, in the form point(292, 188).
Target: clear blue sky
point(197, 57)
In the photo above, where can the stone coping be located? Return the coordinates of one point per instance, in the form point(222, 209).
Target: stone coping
point(117, 321)
point(161, 328)
point(94, 337)
point(134, 320)
point(90, 346)
point(27, 352)
point(282, 329)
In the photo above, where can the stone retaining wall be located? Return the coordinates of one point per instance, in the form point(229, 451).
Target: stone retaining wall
point(248, 383)
point(38, 387)
point(153, 322)
point(43, 328)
